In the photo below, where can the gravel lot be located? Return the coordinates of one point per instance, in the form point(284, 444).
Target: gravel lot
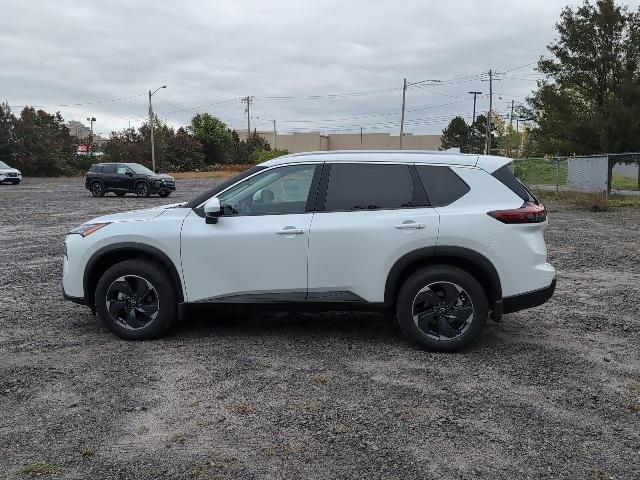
point(553, 392)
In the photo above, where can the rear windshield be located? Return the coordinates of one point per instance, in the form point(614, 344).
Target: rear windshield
point(506, 176)
point(203, 197)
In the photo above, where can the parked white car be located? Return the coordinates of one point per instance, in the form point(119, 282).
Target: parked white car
point(443, 240)
point(9, 174)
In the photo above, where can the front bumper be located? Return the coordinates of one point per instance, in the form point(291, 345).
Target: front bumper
point(532, 299)
point(159, 186)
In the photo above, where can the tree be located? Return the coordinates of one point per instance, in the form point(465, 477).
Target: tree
point(43, 144)
point(124, 146)
point(589, 101)
point(7, 135)
point(456, 134)
point(215, 136)
point(260, 155)
point(185, 152)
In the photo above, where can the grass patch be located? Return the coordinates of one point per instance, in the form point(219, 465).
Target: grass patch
point(221, 173)
point(41, 469)
point(622, 182)
point(320, 379)
point(241, 408)
point(87, 452)
point(218, 468)
point(595, 202)
point(540, 171)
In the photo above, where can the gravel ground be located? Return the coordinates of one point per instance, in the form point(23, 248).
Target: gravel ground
point(553, 392)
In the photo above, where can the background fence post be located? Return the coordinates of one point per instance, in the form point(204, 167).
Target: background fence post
point(557, 175)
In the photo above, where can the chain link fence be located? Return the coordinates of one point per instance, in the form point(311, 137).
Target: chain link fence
point(616, 174)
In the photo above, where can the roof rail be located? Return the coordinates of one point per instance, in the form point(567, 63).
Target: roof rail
point(354, 152)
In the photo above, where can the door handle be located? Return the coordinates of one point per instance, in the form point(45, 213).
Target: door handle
point(410, 226)
point(290, 231)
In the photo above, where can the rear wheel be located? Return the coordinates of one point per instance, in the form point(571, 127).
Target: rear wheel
point(97, 189)
point(136, 300)
point(142, 189)
point(442, 308)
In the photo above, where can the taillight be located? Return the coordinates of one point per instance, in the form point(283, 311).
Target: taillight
point(528, 213)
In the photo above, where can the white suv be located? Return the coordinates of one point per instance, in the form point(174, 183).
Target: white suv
point(442, 239)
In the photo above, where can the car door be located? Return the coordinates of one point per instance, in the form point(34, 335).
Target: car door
point(372, 214)
point(257, 251)
point(124, 178)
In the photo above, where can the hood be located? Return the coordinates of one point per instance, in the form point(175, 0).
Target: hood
point(160, 176)
point(134, 215)
point(9, 170)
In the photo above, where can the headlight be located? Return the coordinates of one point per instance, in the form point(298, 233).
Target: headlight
point(88, 228)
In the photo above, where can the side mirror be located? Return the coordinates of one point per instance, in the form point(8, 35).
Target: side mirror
point(212, 210)
point(129, 174)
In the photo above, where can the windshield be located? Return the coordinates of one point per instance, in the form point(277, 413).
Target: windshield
point(137, 168)
point(4, 165)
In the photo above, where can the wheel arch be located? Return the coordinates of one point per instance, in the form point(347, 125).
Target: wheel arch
point(107, 256)
point(469, 260)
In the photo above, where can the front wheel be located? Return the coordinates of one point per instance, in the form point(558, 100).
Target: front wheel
point(136, 300)
point(97, 189)
point(142, 189)
point(442, 308)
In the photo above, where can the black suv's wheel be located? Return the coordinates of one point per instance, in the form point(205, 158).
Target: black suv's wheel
point(143, 189)
point(442, 308)
point(97, 189)
point(136, 300)
point(164, 193)
point(121, 194)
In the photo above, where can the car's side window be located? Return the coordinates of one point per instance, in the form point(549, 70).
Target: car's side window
point(122, 170)
point(442, 185)
point(109, 169)
point(366, 186)
point(278, 191)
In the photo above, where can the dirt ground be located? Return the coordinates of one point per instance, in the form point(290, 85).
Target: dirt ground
point(553, 392)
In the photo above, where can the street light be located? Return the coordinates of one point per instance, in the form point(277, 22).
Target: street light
point(153, 153)
point(90, 120)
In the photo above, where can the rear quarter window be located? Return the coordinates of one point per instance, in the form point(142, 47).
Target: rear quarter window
point(442, 185)
point(96, 169)
point(506, 177)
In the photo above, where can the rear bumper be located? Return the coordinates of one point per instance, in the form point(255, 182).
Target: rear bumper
point(532, 299)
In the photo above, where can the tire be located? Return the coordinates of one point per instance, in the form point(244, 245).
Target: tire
point(121, 194)
point(442, 308)
point(152, 304)
point(142, 189)
point(164, 193)
point(97, 189)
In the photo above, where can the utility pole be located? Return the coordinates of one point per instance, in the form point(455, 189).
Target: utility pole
point(153, 151)
point(404, 93)
point(89, 147)
point(473, 119)
point(275, 134)
point(511, 117)
point(488, 142)
point(248, 99)
point(361, 140)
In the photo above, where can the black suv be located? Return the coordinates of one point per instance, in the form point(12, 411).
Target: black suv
point(123, 178)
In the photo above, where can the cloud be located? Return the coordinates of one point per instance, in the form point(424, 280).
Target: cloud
point(68, 52)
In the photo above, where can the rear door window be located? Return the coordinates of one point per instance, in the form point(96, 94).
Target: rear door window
point(442, 185)
point(365, 186)
point(109, 168)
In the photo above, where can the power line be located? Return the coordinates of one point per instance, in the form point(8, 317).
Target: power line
point(94, 102)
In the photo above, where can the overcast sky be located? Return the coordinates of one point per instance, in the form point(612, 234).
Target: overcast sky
point(55, 53)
